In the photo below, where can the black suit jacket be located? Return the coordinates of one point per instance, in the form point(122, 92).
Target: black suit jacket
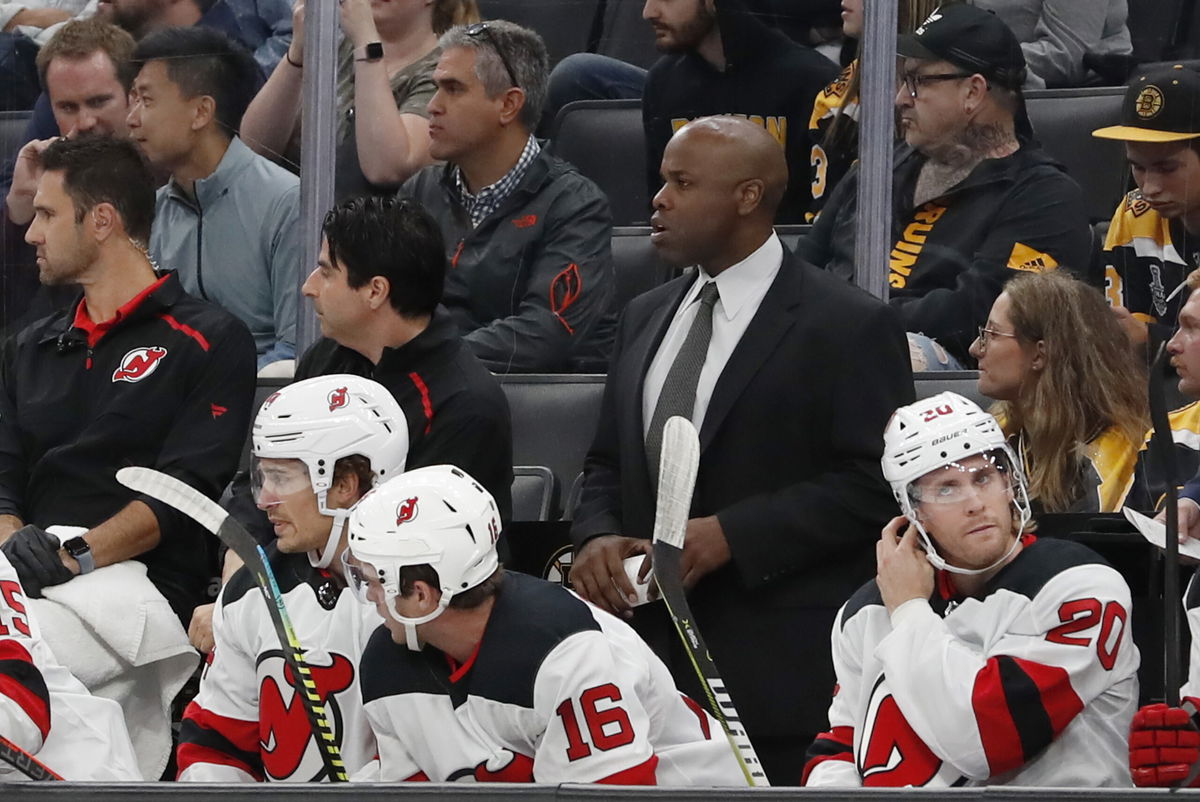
point(789, 463)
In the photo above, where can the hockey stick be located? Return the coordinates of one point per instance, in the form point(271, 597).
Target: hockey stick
point(211, 516)
point(1164, 453)
point(678, 463)
point(24, 762)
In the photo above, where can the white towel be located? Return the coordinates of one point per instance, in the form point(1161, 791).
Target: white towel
point(116, 632)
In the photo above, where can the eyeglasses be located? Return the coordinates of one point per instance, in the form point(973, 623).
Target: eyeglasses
point(986, 334)
point(915, 80)
point(482, 29)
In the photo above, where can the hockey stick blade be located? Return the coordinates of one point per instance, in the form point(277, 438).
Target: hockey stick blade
point(678, 465)
point(211, 516)
point(25, 763)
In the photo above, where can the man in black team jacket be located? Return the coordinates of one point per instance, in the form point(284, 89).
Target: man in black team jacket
point(137, 372)
point(721, 59)
point(974, 200)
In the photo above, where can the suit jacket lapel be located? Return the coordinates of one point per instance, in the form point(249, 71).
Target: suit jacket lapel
point(774, 317)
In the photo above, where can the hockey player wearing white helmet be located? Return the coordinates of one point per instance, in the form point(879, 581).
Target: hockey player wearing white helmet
point(485, 675)
point(979, 654)
point(319, 446)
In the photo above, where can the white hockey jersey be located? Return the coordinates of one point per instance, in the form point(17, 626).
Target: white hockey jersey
point(557, 691)
point(1033, 684)
point(46, 711)
point(247, 723)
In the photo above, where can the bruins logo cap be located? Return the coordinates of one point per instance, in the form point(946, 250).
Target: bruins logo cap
point(970, 38)
point(1161, 105)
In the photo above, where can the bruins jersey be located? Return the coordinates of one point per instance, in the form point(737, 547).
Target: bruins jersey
point(831, 161)
point(1150, 484)
point(1146, 257)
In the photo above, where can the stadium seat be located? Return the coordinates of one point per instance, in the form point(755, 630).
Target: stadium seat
point(565, 25)
point(1157, 28)
point(963, 382)
point(553, 420)
point(791, 235)
point(636, 264)
point(605, 140)
point(625, 35)
point(1063, 121)
point(12, 133)
point(534, 493)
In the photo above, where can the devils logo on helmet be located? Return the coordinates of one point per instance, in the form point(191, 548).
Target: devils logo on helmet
point(338, 399)
point(406, 511)
point(139, 363)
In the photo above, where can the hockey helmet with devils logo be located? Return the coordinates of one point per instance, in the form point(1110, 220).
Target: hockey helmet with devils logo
point(320, 420)
point(938, 432)
point(437, 516)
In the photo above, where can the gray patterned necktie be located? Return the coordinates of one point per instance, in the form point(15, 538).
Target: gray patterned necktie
point(678, 396)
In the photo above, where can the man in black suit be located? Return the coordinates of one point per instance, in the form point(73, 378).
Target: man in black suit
point(798, 378)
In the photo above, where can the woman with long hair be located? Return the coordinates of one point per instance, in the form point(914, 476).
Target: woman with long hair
point(1070, 394)
point(384, 81)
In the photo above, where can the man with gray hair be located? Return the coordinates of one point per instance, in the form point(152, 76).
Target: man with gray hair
point(528, 237)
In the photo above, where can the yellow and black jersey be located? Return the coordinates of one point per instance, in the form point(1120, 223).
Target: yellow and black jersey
point(1146, 257)
point(829, 158)
point(1150, 483)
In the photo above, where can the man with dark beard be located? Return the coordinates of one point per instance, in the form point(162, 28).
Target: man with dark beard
point(721, 59)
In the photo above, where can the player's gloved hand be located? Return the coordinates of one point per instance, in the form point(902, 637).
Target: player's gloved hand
point(33, 553)
point(1163, 745)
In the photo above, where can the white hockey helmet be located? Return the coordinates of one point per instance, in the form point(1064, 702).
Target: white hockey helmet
point(941, 431)
point(437, 516)
point(320, 420)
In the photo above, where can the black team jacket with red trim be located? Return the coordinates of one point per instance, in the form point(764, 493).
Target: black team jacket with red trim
point(169, 386)
point(457, 412)
point(531, 288)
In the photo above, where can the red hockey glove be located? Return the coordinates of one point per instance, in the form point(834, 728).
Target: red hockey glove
point(1163, 745)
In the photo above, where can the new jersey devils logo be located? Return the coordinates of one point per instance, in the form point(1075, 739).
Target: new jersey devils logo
point(139, 363)
point(338, 399)
point(285, 739)
point(406, 511)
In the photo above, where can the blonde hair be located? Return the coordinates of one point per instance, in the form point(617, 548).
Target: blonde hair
point(1090, 382)
point(448, 13)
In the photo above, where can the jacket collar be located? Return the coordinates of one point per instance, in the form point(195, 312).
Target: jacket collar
point(160, 298)
point(208, 189)
point(441, 333)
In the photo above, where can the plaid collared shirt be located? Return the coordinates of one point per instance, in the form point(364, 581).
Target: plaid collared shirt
point(488, 199)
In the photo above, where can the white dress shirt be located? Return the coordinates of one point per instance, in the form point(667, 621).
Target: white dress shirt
point(741, 288)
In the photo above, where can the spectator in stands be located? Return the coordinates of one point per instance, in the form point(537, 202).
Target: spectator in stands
point(528, 236)
point(319, 446)
point(974, 199)
point(87, 71)
point(266, 27)
point(228, 218)
point(1071, 397)
point(38, 19)
point(385, 64)
point(720, 59)
point(789, 494)
point(138, 372)
point(1055, 35)
point(833, 126)
point(1153, 241)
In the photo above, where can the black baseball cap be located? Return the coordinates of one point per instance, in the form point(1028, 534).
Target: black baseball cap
point(1162, 104)
point(970, 38)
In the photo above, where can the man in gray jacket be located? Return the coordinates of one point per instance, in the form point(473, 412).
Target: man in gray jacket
point(227, 220)
point(531, 282)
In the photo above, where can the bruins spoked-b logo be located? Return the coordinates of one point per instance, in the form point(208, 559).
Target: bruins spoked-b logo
point(1149, 102)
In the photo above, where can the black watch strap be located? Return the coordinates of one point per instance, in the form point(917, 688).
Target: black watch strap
point(371, 51)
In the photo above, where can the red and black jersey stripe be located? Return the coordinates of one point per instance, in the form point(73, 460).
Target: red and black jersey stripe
point(1020, 707)
point(21, 681)
point(836, 744)
point(205, 737)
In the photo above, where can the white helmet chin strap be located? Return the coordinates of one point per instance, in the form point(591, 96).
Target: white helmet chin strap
point(326, 555)
point(410, 624)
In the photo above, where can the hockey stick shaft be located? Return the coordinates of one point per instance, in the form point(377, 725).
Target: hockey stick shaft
point(678, 465)
point(208, 513)
point(25, 763)
point(1165, 455)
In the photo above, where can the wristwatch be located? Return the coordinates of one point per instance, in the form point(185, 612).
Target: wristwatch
point(78, 548)
point(371, 51)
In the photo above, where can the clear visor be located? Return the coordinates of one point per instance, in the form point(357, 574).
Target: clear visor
point(981, 475)
point(361, 578)
point(273, 480)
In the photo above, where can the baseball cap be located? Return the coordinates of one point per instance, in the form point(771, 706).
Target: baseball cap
point(1162, 104)
point(971, 38)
